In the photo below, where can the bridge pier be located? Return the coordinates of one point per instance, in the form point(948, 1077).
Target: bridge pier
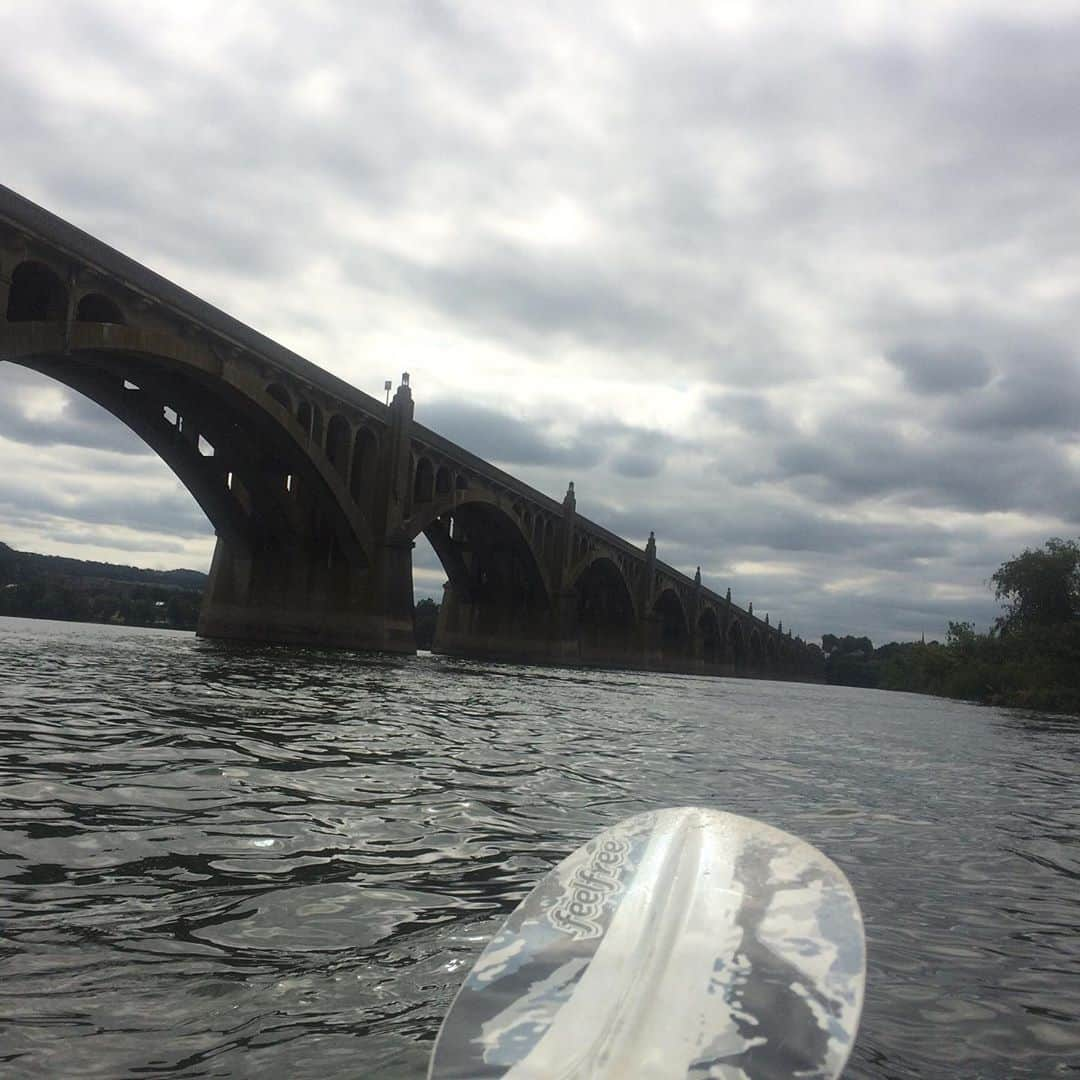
point(309, 598)
point(468, 628)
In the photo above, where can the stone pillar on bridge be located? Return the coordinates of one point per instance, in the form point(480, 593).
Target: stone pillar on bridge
point(392, 573)
point(697, 642)
point(727, 658)
point(566, 603)
point(569, 513)
point(309, 589)
point(649, 624)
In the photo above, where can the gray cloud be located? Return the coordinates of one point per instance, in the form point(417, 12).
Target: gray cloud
point(637, 465)
point(571, 442)
point(929, 369)
point(1040, 394)
point(504, 439)
point(163, 513)
point(750, 410)
point(852, 462)
point(79, 422)
point(520, 291)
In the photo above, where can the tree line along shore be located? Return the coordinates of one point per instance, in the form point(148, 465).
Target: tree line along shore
point(1029, 658)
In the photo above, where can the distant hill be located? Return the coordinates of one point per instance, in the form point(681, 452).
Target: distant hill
point(26, 566)
point(56, 587)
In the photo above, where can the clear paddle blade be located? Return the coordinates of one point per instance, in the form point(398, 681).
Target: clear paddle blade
point(680, 943)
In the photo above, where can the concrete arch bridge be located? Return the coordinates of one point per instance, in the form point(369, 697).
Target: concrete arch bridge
point(317, 491)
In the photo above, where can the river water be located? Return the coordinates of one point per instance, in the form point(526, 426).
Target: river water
point(274, 862)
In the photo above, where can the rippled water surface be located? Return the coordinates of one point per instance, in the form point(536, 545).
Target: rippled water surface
point(278, 862)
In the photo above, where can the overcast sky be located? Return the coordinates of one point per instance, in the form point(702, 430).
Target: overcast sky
point(797, 286)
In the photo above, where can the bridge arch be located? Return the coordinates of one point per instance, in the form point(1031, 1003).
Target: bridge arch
point(217, 434)
point(453, 515)
point(280, 395)
point(36, 294)
point(606, 614)
point(98, 308)
point(423, 481)
point(497, 591)
point(365, 463)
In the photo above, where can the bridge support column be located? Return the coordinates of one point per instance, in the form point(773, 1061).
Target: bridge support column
point(567, 644)
point(651, 641)
point(494, 631)
point(395, 580)
point(309, 598)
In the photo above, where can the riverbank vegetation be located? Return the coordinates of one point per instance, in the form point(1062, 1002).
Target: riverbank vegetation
point(51, 587)
point(1030, 657)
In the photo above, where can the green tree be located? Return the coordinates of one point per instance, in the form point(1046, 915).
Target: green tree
point(962, 637)
point(1040, 587)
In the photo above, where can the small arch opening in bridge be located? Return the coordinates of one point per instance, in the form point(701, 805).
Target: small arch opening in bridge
point(36, 295)
point(338, 433)
point(171, 416)
point(281, 396)
point(669, 611)
point(461, 482)
point(424, 482)
point(364, 463)
point(538, 532)
point(129, 385)
point(206, 448)
point(229, 481)
point(442, 481)
point(95, 308)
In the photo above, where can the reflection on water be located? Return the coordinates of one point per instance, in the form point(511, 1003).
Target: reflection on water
point(223, 861)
